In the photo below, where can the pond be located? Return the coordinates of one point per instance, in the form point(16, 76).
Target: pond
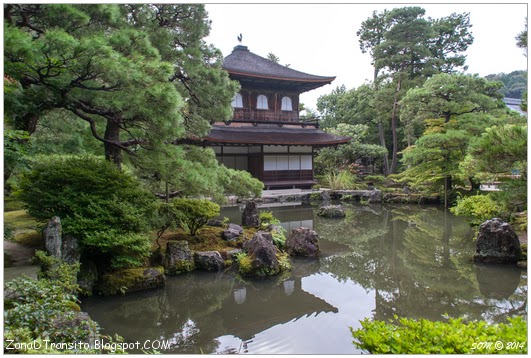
point(380, 261)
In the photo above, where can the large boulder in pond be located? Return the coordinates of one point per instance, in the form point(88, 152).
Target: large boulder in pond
point(65, 248)
point(250, 217)
point(262, 256)
point(131, 280)
point(303, 242)
point(331, 211)
point(497, 243)
point(178, 258)
point(232, 232)
point(209, 261)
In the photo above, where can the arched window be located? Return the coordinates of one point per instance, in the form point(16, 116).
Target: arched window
point(286, 104)
point(261, 102)
point(237, 101)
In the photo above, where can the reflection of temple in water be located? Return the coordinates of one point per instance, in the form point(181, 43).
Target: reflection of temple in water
point(257, 306)
point(292, 215)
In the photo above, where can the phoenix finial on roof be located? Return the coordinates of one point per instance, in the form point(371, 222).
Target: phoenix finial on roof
point(240, 38)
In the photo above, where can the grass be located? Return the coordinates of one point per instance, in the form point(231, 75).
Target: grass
point(25, 228)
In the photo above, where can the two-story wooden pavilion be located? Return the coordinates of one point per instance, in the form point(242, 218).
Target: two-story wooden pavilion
point(266, 135)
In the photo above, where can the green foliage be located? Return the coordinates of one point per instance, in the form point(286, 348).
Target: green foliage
point(266, 219)
point(515, 83)
point(32, 309)
point(194, 171)
point(341, 180)
point(284, 261)
point(9, 234)
point(408, 336)
point(17, 145)
point(279, 237)
point(119, 281)
point(245, 264)
point(478, 208)
point(107, 209)
point(346, 155)
point(54, 269)
point(193, 214)
point(93, 61)
point(501, 148)
point(379, 179)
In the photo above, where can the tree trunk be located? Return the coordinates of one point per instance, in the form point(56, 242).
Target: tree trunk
point(113, 152)
point(381, 133)
point(28, 123)
point(394, 158)
point(382, 143)
point(474, 184)
point(447, 188)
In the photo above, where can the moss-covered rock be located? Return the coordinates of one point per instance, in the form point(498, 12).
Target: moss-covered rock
point(131, 280)
point(209, 261)
point(179, 258)
point(262, 257)
point(331, 211)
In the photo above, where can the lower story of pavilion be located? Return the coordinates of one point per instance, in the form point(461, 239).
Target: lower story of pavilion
point(279, 157)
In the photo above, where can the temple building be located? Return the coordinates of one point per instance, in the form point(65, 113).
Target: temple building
point(266, 135)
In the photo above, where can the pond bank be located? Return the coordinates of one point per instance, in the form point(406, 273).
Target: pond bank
point(307, 196)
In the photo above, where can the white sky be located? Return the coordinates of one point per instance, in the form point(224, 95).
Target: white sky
point(321, 39)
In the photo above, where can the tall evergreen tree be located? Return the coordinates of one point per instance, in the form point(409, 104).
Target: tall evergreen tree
point(406, 49)
point(142, 72)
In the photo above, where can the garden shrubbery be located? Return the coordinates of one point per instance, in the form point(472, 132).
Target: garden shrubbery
point(409, 336)
point(477, 208)
point(192, 214)
point(107, 209)
point(39, 310)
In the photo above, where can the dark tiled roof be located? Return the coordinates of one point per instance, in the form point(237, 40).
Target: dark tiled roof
point(242, 62)
point(272, 135)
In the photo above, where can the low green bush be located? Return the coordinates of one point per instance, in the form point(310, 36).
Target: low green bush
point(477, 208)
point(245, 264)
point(409, 336)
point(193, 214)
point(342, 180)
point(380, 179)
point(32, 312)
point(58, 271)
point(107, 209)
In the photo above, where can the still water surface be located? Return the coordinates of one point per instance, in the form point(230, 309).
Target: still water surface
point(412, 261)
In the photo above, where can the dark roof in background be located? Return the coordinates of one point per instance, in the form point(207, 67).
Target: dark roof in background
point(244, 65)
point(268, 134)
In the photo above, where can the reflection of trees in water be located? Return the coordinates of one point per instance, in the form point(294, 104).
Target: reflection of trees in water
point(418, 262)
point(178, 313)
point(416, 267)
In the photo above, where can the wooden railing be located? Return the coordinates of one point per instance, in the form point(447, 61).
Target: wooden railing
point(269, 116)
point(265, 115)
point(282, 175)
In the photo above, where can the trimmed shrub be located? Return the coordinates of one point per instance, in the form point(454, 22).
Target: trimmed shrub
point(477, 208)
point(193, 214)
point(409, 336)
point(107, 209)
